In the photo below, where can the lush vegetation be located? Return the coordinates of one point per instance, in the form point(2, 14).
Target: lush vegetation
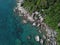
point(53, 18)
point(52, 11)
point(37, 5)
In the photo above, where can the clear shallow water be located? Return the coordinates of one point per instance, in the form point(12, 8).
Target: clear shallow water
point(12, 30)
point(28, 30)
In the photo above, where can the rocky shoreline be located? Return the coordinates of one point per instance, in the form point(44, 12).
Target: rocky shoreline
point(37, 20)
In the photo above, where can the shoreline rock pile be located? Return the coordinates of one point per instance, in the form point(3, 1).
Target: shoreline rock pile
point(37, 20)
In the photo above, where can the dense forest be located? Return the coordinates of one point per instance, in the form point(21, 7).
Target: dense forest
point(51, 10)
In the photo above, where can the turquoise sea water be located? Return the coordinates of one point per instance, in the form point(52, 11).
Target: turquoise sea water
point(28, 30)
point(7, 24)
point(12, 30)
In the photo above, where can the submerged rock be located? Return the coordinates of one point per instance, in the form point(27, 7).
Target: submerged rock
point(41, 41)
point(44, 36)
point(24, 21)
point(34, 24)
point(40, 31)
point(28, 37)
point(37, 38)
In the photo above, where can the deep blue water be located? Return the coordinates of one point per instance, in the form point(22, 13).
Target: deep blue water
point(12, 30)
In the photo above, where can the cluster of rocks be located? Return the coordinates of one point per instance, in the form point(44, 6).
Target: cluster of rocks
point(51, 36)
point(37, 20)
